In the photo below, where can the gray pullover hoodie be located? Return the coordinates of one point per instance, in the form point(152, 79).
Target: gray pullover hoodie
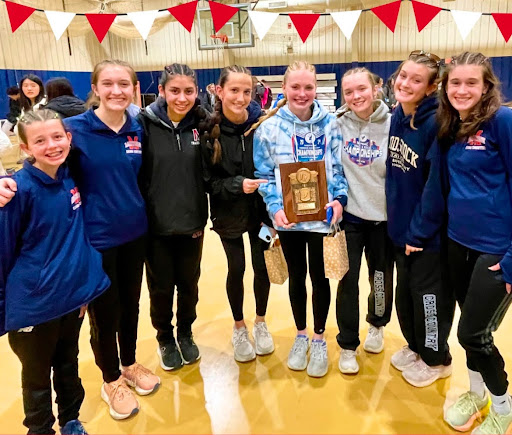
point(363, 155)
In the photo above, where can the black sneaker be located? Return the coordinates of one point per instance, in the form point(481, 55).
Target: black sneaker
point(170, 357)
point(189, 349)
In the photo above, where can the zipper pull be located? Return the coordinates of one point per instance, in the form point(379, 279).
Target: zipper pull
point(243, 143)
point(179, 141)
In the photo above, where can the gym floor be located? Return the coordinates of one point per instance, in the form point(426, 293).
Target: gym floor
point(218, 395)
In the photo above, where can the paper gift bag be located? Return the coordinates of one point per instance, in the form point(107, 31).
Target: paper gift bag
point(277, 268)
point(335, 254)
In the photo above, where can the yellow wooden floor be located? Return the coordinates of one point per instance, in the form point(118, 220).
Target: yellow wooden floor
point(218, 395)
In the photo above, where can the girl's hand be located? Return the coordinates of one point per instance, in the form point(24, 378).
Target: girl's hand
point(83, 310)
point(497, 267)
point(282, 220)
point(337, 211)
point(7, 188)
point(409, 249)
point(249, 185)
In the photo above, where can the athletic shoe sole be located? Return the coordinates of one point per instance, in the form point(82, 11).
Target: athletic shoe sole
point(245, 358)
point(479, 415)
point(115, 415)
point(262, 352)
point(402, 368)
point(167, 368)
point(348, 371)
point(140, 391)
point(318, 375)
point(379, 350)
point(428, 381)
point(190, 362)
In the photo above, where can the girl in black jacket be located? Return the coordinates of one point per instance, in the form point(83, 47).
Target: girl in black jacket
point(236, 206)
point(172, 184)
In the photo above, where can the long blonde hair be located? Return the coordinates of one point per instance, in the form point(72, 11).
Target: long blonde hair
point(295, 66)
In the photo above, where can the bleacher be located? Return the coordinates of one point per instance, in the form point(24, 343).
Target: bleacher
point(326, 88)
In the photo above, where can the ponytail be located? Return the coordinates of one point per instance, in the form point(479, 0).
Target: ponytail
point(269, 114)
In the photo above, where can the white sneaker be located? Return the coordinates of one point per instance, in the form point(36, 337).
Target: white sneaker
point(318, 362)
point(374, 342)
point(242, 346)
point(348, 362)
point(422, 375)
point(404, 358)
point(298, 356)
point(262, 339)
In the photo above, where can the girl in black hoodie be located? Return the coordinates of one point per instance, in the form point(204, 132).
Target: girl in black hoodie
point(236, 206)
point(172, 184)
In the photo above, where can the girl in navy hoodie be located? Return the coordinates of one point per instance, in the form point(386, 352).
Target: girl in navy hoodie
point(49, 272)
point(172, 184)
point(424, 306)
point(476, 146)
point(105, 161)
point(236, 206)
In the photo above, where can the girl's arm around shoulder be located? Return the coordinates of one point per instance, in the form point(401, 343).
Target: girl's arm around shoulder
point(339, 187)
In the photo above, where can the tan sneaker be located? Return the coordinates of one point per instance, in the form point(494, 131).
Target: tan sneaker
point(143, 380)
point(120, 399)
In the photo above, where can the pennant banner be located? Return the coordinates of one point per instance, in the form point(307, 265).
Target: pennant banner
point(304, 24)
point(18, 14)
point(388, 14)
point(185, 14)
point(143, 21)
point(504, 23)
point(424, 13)
point(465, 21)
point(346, 21)
point(221, 14)
point(100, 24)
point(59, 21)
point(262, 22)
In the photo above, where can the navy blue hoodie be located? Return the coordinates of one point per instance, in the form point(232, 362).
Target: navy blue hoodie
point(48, 268)
point(480, 196)
point(407, 170)
point(105, 165)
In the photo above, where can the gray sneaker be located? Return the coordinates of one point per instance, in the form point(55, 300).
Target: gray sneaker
point(318, 362)
point(242, 346)
point(262, 339)
point(298, 357)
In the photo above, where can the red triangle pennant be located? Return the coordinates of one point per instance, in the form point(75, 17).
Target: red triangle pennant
point(100, 24)
point(18, 14)
point(304, 24)
point(221, 14)
point(388, 14)
point(504, 23)
point(424, 13)
point(185, 14)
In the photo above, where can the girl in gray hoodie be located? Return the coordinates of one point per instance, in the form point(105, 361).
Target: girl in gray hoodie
point(364, 122)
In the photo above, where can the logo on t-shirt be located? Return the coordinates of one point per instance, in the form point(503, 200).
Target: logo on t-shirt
point(195, 133)
point(476, 142)
point(133, 146)
point(76, 200)
point(309, 147)
point(362, 151)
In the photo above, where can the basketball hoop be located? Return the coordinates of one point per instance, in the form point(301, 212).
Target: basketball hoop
point(220, 41)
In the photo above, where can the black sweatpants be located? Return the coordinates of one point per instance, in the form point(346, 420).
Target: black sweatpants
point(173, 262)
point(295, 244)
point(483, 302)
point(235, 254)
point(425, 304)
point(114, 315)
point(372, 237)
point(50, 345)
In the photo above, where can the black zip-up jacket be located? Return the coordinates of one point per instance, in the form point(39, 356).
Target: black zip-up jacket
point(66, 106)
point(232, 211)
point(171, 176)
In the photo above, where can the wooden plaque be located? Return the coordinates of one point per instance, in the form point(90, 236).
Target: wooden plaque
point(304, 186)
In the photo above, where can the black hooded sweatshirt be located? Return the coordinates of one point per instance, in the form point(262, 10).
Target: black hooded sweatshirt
point(233, 212)
point(66, 106)
point(171, 176)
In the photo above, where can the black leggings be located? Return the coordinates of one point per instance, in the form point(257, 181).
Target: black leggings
point(483, 302)
point(236, 268)
point(295, 244)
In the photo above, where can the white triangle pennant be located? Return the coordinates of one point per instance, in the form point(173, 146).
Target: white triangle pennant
point(465, 21)
point(346, 21)
point(59, 21)
point(143, 21)
point(262, 22)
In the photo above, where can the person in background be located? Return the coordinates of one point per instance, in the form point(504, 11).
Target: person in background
point(13, 93)
point(364, 122)
point(49, 272)
point(32, 95)
point(61, 98)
